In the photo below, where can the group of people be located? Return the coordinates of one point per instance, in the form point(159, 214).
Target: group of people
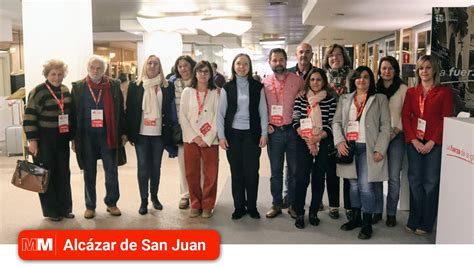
point(326, 123)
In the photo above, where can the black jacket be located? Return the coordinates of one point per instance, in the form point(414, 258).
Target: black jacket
point(255, 89)
point(78, 89)
point(134, 111)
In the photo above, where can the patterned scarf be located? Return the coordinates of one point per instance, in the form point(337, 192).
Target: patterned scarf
point(337, 80)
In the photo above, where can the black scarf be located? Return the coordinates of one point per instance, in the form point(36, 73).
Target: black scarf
point(391, 90)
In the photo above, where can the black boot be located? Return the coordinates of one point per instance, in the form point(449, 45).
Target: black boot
point(376, 218)
point(366, 231)
point(299, 223)
point(313, 218)
point(354, 223)
point(391, 220)
point(156, 203)
point(143, 207)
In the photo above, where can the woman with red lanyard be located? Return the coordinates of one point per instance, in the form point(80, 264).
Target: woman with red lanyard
point(48, 131)
point(198, 119)
point(363, 118)
point(425, 107)
point(312, 119)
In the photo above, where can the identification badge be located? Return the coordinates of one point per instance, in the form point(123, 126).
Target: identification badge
point(306, 127)
point(149, 122)
point(421, 129)
point(352, 130)
point(97, 118)
point(63, 123)
point(276, 114)
point(203, 126)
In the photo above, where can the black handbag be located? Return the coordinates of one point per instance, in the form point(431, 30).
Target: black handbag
point(349, 158)
point(172, 134)
point(121, 156)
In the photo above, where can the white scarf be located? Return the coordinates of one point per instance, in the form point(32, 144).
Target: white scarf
point(150, 104)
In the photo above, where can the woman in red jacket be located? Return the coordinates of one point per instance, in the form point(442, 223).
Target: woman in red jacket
point(425, 107)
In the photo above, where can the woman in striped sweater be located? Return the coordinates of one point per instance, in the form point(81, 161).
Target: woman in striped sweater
point(48, 128)
point(312, 118)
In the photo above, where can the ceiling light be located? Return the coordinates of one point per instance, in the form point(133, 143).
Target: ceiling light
point(169, 24)
point(273, 42)
point(218, 25)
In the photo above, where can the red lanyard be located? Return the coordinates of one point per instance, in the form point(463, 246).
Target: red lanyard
point(360, 108)
point(60, 102)
point(282, 87)
point(421, 101)
point(198, 98)
point(309, 108)
point(96, 100)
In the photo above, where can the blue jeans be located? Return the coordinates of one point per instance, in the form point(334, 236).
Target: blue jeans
point(149, 150)
point(362, 192)
point(95, 147)
point(423, 177)
point(281, 142)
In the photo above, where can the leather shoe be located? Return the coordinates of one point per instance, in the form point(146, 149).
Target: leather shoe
point(254, 214)
point(206, 213)
point(299, 223)
point(55, 218)
point(391, 221)
point(334, 213)
point(89, 214)
point(349, 214)
point(157, 204)
point(313, 219)
point(238, 214)
point(115, 211)
point(273, 212)
point(69, 216)
point(376, 217)
point(194, 213)
point(420, 232)
point(143, 207)
point(292, 212)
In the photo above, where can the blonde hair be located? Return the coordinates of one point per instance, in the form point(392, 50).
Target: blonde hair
point(434, 65)
point(54, 64)
point(143, 74)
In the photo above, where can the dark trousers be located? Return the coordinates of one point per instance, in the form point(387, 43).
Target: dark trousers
point(333, 186)
point(310, 170)
point(423, 177)
point(54, 156)
point(149, 150)
point(95, 147)
point(243, 155)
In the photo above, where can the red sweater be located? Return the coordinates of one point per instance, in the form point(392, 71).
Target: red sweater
point(438, 105)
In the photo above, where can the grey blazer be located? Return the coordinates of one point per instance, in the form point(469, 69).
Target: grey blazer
point(377, 135)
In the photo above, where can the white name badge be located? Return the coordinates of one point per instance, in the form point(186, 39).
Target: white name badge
point(276, 114)
point(306, 127)
point(203, 125)
point(63, 123)
point(352, 130)
point(421, 129)
point(97, 118)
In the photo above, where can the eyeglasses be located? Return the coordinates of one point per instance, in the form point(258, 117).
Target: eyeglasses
point(203, 72)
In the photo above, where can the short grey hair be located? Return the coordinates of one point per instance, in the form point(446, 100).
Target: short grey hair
point(98, 58)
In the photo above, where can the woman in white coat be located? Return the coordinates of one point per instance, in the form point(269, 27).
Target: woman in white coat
point(363, 118)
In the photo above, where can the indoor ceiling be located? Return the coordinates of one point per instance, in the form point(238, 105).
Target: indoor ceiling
point(322, 22)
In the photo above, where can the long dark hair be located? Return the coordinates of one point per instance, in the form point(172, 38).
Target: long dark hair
point(356, 74)
point(186, 58)
point(234, 73)
point(307, 85)
point(200, 65)
point(397, 81)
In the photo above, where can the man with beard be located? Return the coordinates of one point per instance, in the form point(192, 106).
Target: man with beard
point(98, 110)
point(304, 54)
point(281, 89)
